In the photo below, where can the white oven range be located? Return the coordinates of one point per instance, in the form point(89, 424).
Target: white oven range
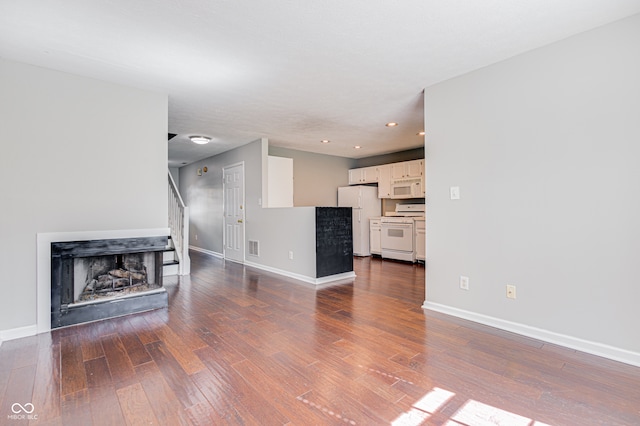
point(397, 237)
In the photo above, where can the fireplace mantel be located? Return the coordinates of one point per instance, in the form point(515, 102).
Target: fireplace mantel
point(43, 278)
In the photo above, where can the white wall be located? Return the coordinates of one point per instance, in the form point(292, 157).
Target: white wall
point(78, 155)
point(279, 230)
point(279, 181)
point(316, 177)
point(545, 149)
point(203, 194)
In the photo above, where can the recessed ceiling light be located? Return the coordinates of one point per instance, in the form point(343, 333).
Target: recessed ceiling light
point(420, 133)
point(200, 140)
point(392, 124)
point(357, 147)
point(325, 141)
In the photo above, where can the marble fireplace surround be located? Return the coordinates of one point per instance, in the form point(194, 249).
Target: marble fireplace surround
point(43, 253)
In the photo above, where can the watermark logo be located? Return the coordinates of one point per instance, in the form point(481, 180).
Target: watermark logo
point(22, 412)
point(18, 408)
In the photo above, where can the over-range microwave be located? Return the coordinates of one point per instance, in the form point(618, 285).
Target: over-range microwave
point(407, 188)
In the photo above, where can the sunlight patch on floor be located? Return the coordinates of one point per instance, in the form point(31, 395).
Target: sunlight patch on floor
point(477, 413)
point(427, 405)
point(471, 413)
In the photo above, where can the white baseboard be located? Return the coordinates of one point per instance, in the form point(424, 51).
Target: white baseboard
point(594, 348)
point(331, 279)
point(17, 333)
point(205, 251)
point(335, 279)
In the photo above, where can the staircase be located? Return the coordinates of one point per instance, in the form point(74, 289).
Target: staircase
point(170, 261)
point(176, 257)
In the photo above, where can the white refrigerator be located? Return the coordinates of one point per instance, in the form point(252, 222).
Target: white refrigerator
point(365, 204)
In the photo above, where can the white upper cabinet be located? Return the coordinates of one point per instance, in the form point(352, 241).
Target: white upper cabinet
point(363, 175)
point(407, 169)
point(397, 170)
point(370, 174)
point(414, 168)
point(384, 181)
point(385, 174)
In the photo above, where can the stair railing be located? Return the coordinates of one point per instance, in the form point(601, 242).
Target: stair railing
point(179, 225)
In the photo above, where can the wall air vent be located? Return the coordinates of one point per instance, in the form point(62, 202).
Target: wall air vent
point(254, 248)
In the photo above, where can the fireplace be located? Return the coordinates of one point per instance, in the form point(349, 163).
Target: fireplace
point(98, 279)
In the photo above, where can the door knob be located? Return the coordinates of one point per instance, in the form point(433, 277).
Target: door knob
point(239, 220)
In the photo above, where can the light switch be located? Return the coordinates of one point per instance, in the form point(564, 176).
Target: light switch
point(455, 192)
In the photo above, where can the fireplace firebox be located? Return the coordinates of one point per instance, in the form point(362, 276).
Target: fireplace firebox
point(98, 279)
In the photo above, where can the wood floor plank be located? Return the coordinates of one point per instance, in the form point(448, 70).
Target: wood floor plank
point(222, 350)
point(143, 329)
point(224, 405)
point(76, 408)
point(337, 408)
point(242, 346)
point(26, 352)
point(280, 396)
point(4, 380)
point(19, 389)
point(72, 372)
point(120, 366)
point(7, 357)
point(162, 399)
point(105, 406)
point(180, 351)
point(188, 331)
point(244, 393)
point(185, 390)
point(46, 391)
point(98, 373)
point(135, 406)
point(90, 341)
point(132, 344)
point(357, 400)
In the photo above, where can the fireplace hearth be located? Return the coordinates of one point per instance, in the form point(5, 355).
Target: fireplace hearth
point(98, 279)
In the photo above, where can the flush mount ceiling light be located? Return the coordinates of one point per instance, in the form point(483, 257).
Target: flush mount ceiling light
point(325, 141)
point(392, 124)
point(420, 133)
point(200, 140)
point(357, 147)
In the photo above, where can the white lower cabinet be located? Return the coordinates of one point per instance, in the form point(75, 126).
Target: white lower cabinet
point(421, 240)
point(374, 236)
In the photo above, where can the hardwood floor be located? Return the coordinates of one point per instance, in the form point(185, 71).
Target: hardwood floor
point(242, 346)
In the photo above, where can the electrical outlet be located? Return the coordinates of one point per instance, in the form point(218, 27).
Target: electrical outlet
point(290, 255)
point(511, 291)
point(464, 282)
point(196, 237)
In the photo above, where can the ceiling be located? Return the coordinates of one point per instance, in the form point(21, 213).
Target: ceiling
point(293, 71)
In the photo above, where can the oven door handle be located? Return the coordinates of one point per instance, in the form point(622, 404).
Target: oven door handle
point(397, 225)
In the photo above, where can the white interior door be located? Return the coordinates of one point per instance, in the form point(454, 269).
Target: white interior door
point(233, 188)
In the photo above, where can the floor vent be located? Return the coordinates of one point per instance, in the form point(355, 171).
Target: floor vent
point(254, 248)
